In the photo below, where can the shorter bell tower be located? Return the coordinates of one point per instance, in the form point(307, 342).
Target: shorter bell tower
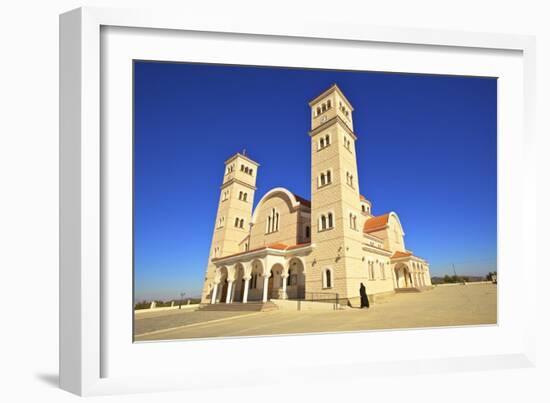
point(232, 222)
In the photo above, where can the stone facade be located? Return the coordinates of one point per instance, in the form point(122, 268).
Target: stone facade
point(323, 249)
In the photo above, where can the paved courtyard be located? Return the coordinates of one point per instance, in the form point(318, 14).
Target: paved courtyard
point(453, 305)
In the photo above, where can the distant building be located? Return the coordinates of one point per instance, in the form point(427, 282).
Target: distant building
point(290, 247)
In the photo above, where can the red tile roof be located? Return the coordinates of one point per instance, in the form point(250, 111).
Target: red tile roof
point(303, 201)
point(279, 246)
point(398, 254)
point(376, 223)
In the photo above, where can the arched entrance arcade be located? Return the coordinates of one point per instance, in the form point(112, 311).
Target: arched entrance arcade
point(403, 277)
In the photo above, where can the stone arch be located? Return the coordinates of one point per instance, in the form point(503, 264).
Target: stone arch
point(256, 283)
point(296, 280)
point(403, 275)
point(275, 283)
point(223, 284)
point(281, 192)
point(239, 282)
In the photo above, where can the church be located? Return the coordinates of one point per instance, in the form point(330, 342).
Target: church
point(289, 247)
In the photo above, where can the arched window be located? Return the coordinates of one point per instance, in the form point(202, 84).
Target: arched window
point(323, 179)
point(272, 221)
point(329, 104)
point(240, 195)
point(363, 208)
point(242, 167)
point(322, 143)
point(329, 179)
point(352, 221)
point(241, 223)
point(330, 223)
point(327, 278)
point(324, 107)
point(250, 171)
point(327, 140)
point(245, 196)
point(237, 222)
point(323, 222)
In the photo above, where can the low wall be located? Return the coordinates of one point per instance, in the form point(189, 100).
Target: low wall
point(293, 305)
point(467, 283)
point(189, 307)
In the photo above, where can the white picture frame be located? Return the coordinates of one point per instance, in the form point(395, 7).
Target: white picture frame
point(85, 343)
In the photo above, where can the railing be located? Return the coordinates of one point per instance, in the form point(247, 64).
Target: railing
point(329, 297)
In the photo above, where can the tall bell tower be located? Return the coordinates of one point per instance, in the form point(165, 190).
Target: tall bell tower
point(335, 198)
point(232, 223)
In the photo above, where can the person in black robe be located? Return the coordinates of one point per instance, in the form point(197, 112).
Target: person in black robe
point(364, 297)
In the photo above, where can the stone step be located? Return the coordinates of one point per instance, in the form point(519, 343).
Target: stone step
point(408, 289)
point(238, 307)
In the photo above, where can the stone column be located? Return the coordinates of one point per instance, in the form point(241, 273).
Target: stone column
point(229, 289)
point(245, 292)
point(284, 277)
point(214, 292)
point(266, 286)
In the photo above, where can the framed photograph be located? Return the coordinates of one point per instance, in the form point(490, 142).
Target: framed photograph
point(315, 198)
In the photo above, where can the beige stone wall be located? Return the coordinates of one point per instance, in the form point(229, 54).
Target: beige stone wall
point(304, 221)
point(395, 235)
point(288, 223)
point(392, 236)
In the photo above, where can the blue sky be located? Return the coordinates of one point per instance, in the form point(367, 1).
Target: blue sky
point(426, 149)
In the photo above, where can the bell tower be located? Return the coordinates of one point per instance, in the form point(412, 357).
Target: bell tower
point(335, 198)
point(232, 223)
